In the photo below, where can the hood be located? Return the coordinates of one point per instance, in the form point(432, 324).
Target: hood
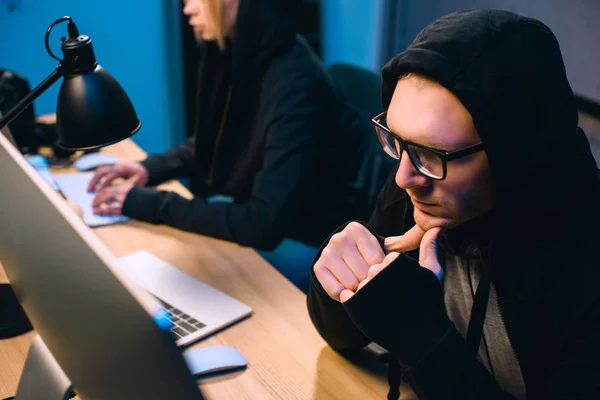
point(264, 28)
point(508, 72)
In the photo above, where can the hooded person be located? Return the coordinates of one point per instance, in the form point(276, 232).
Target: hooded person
point(268, 134)
point(491, 291)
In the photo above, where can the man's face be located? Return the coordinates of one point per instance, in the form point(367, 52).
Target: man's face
point(428, 114)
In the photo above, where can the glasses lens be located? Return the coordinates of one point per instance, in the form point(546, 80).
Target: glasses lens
point(427, 162)
point(388, 142)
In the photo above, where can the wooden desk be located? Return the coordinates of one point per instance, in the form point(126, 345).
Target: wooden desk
point(286, 356)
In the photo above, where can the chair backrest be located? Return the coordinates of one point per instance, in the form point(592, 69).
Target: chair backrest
point(13, 87)
point(359, 87)
point(360, 92)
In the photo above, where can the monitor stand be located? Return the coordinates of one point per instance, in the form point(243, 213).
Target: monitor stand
point(42, 377)
point(13, 321)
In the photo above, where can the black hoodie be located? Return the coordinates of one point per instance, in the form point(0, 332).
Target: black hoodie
point(268, 133)
point(508, 72)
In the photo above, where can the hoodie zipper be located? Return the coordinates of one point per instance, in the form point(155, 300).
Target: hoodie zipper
point(512, 349)
point(211, 175)
point(198, 95)
point(486, 262)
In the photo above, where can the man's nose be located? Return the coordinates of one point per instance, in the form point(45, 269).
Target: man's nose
point(407, 175)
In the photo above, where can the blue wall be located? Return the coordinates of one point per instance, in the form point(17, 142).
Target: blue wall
point(351, 32)
point(135, 40)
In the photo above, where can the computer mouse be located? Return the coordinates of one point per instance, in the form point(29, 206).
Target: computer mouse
point(211, 359)
point(94, 160)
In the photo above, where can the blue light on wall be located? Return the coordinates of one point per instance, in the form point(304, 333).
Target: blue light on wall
point(134, 40)
point(351, 32)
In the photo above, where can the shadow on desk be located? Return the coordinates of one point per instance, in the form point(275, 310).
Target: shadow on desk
point(216, 377)
point(366, 367)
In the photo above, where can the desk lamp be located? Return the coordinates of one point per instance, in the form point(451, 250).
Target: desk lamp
point(92, 111)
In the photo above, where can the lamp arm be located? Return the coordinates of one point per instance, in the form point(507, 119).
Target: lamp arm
point(31, 96)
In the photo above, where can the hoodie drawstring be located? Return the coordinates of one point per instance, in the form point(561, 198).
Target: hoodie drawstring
point(474, 333)
point(478, 311)
point(394, 378)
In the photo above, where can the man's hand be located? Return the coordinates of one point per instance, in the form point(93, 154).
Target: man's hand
point(109, 200)
point(46, 119)
point(134, 173)
point(345, 261)
point(407, 242)
point(427, 258)
point(373, 271)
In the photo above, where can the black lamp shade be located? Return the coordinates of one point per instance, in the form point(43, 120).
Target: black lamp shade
point(93, 111)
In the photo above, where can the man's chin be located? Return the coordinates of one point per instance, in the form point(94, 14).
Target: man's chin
point(428, 221)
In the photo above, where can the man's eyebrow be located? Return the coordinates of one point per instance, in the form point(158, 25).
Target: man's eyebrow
point(431, 145)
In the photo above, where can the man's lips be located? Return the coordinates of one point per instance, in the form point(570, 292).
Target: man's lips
point(422, 203)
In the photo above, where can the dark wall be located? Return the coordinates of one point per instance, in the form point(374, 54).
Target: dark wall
point(576, 24)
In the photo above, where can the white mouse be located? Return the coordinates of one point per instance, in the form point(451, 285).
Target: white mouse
point(210, 359)
point(94, 160)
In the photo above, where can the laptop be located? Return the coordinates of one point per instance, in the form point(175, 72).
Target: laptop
point(195, 309)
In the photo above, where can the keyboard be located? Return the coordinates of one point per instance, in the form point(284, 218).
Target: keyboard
point(182, 324)
point(74, 188)
point(194, 308)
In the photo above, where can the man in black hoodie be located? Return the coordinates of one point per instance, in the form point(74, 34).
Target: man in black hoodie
point(491, 291)
point(269, 133)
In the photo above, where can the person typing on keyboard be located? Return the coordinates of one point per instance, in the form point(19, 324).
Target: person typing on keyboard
point(268, 135)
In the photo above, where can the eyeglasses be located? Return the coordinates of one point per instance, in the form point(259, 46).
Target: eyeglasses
point(428, 161)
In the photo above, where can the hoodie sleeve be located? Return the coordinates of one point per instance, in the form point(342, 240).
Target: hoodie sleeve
point(329, 316)
point(295, 121)
point(402, 310)
point(175, 163)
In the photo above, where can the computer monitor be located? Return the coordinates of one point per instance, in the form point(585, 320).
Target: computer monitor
point(96, 326)
point(7, 134)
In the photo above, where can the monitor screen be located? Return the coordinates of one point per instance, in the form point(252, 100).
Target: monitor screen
point(97, 327)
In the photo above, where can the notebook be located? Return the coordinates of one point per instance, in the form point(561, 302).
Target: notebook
point(74, 187)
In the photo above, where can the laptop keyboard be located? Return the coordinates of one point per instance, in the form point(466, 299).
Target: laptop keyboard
point(183, 324)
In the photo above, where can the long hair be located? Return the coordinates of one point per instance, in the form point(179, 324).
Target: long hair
point(215, 14)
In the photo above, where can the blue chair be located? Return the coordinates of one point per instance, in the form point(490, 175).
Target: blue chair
point(293, 260)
